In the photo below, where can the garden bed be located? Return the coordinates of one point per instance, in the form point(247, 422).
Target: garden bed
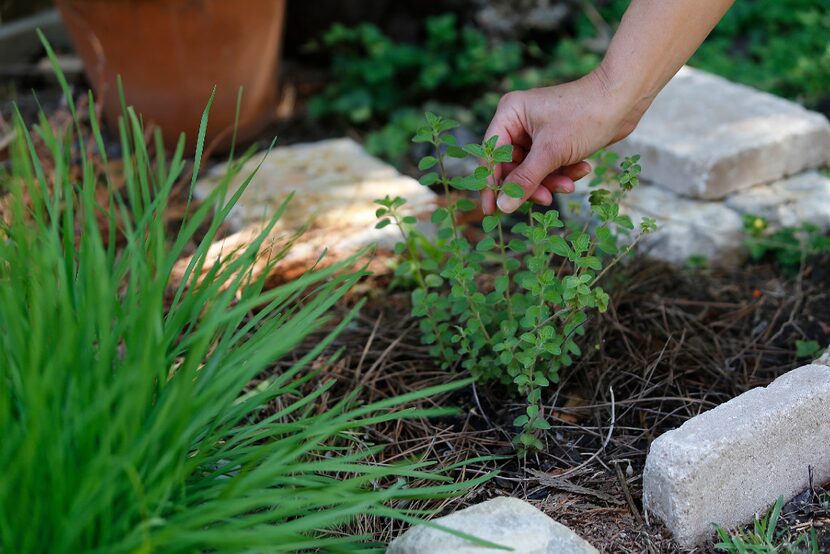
point(673, 344)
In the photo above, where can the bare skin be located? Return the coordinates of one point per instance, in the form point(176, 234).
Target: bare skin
point(553, 129)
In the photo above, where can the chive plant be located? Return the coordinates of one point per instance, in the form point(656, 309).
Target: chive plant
point(520, 327)
point(127, 417)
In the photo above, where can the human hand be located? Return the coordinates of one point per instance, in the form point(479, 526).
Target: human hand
point(553, 130)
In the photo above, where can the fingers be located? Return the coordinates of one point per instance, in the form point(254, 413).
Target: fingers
point(508, 127)
point(576, 171)
point(542, 196)
point(560, 181)
point(529, 175)
point(488, 202)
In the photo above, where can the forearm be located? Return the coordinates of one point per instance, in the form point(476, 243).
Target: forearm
point(655, 39)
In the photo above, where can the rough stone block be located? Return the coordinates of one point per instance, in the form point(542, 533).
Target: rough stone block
point(686, 227)
point(732, 462)
point(334, 183)
point(804, 198)
point(705, 137)
point(504, 521)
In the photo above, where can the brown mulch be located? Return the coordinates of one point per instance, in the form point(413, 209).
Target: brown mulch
point(673, 344)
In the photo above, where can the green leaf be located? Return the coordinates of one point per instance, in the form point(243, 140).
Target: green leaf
point(513, 190)
point(486, 244)
point(502, 283)
point(591, 262)
point(429, 179)
point(503, 154)
point(540, 424)
point(465, 205)
point(489, 223)
point(559, 246)
point(475, 150)
point(517, 245)
point(456, 152)
point(439, 215)
point(806, 348)
point(427, 162)
point(382, 223)
point(522, 420)
point(433, 280)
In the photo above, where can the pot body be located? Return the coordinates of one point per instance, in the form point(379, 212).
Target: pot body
point(171, 53)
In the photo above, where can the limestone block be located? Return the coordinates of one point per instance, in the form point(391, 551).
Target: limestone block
point(334, 183)
point(732, 462)
point(504, 521)
point(705, 137)
point(790, 202)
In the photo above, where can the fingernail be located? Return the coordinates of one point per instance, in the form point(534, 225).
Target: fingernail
point(508, 204)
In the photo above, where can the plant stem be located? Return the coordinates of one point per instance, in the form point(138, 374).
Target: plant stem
point(506, 272)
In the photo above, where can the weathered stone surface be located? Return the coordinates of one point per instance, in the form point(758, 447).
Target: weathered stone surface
point(686, 227)
point(515, 17)
point(505, 521)
point(705, 137)
point(824, 359)
point(334, 182)
point(804, 198)
point(727, 464)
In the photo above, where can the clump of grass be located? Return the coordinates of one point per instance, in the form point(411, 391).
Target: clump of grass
point(127, 419)
point(764, 538)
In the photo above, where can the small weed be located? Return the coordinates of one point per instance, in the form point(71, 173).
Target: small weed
point(520, 327)
point(764, 539)
point(806, 348)
point(789, 246)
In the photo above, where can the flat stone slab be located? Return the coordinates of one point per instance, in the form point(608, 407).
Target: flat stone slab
point(505, 521)
point(686, 227)
point(732, 462)
point(334, 182)
point(790, 202)
point(705, 137)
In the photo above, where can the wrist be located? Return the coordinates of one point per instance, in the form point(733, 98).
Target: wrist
point(624, 97)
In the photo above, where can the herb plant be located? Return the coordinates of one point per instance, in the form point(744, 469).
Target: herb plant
point(510, 306)
point(130, 418)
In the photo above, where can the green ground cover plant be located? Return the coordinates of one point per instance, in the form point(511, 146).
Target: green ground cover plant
point(520, 327)
point(384, 86)
point(128, 418)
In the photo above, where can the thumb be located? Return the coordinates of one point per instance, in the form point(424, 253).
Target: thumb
point(529, 174)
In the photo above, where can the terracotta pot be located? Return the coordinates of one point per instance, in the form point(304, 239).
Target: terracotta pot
point(171, 53)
